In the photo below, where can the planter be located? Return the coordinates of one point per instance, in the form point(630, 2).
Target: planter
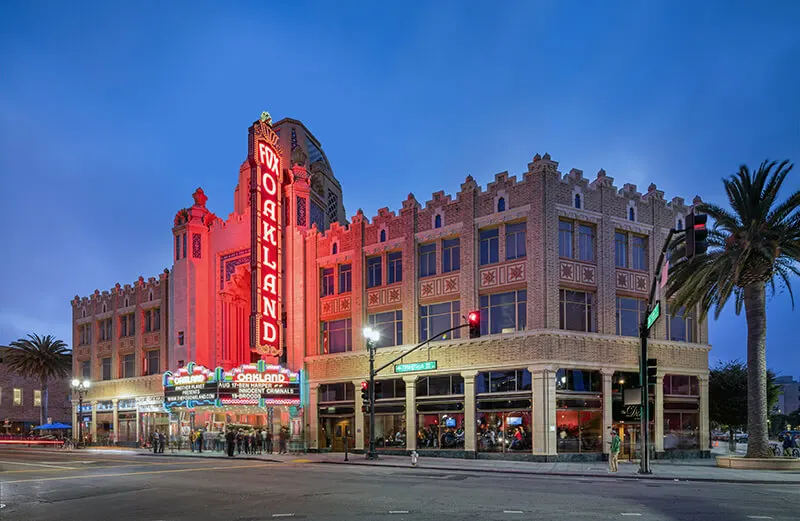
point(778, 463)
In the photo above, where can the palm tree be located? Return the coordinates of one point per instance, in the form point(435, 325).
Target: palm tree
point(45, 358)
point(753, 247)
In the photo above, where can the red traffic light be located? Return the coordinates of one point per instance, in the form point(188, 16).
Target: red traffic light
point(364, 385)
point(474, 317)
point(474, 321)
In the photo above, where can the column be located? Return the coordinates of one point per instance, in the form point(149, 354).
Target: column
point(704, 433)
point(658, 413)
point(544, 411)
point(138, 426)
point(115, 421)
point(411, 412)
point(469, 410)
point(359, 431)
point(312, 417)
point(93, 430)
point(608, 414)
point(75, 420)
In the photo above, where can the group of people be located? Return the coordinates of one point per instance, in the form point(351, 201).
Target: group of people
point(789, 443)
point(159, 441)
point(256, 441)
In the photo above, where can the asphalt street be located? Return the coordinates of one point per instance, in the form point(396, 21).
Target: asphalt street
point(53, 485)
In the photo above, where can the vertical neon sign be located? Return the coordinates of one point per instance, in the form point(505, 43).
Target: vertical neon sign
point(269, 185)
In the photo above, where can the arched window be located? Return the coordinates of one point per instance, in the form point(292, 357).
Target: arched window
point(501, 204)
point(679, 224)
point(383, 235)
point(335, 248)
point(150, 296)
point(126, 302)
point(631, 214)
point(437, 221)
point(104, 308)
point(578, 201)
point(83, 312)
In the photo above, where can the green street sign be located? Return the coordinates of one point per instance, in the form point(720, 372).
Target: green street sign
point(417, 366)
point(654, 314)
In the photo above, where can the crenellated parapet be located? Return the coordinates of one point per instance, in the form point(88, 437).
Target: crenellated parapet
point(121, 296)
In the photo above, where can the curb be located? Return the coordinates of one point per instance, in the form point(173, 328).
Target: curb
point(567, 474)
point(235, 458)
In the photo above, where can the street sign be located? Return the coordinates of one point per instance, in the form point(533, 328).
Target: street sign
point(417, 366)
point(654, 314)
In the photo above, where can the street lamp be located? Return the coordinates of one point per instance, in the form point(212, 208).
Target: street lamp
point(81, 387)
point(371, 335)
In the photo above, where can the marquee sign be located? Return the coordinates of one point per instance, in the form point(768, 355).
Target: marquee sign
point(265, 198)
point(190, 386)
point(256, 384)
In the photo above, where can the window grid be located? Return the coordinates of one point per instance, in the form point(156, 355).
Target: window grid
point(374, 271)
point(337, 336)
point(436, 318)
point(394, 262)
point(630, 315)
point(345, 278)
point(390, 326)
point(503, 311)
point(489, 246)
point(427, 260)
point(621, 249)
point(515, 240)
point(451, 255)
point(577, 311)
point(326, 281)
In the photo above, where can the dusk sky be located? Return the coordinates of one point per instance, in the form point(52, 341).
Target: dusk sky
point(112, 114)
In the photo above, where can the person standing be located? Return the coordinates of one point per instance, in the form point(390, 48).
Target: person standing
point(268, 442)
point(282, 441)
point(155, 442)
point(162, 440)
point(613, 455)
point(230, 439)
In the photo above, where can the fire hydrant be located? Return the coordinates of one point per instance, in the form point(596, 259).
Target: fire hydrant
point(414, 458)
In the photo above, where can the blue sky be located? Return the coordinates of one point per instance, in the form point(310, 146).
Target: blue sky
point(111, 116)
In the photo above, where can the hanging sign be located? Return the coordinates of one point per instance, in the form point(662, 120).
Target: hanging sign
point(259, 384)
point(190, 386)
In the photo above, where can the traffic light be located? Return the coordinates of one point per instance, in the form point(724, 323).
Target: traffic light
point(652, 371)
point(364, 396)
point(474, 320)
point(696, 234)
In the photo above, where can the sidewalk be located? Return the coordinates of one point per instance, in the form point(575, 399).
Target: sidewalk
point(668, 470)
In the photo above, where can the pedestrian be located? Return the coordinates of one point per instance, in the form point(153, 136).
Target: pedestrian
point(282, 441)
point(230, 439)
point(268, 441)
point(787, 445)
point(613, 455)
point(154, 438)
point(239, 442)
point(162, 440)
point(259, 445)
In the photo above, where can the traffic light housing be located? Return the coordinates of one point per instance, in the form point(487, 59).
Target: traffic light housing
point(364, 396)
point(652, 371)
point(696, 235)
point(474, 320)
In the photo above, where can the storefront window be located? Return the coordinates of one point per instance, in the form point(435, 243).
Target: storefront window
point(503, 381)
point(390, 431)
point(579, 380)
point(336, 416)
point(500, 431)
point(440, 385)
point(681, 427)
point(681, 385)
point(340, 392)
point(579, 430)
point(440, 431)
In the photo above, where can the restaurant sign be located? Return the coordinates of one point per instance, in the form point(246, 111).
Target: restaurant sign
point(257, 384)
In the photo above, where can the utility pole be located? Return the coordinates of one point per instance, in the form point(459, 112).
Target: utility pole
point(371, 346)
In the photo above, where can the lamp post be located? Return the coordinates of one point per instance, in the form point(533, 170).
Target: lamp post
point(80, 386)
point(371, 335)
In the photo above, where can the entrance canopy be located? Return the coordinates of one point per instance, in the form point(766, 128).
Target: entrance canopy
point(253, 385)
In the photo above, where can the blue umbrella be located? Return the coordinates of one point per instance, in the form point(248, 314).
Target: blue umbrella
point(52, 426)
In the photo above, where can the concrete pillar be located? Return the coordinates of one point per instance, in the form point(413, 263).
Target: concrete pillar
point(360, 428)
point(469, 410)
point(411, 412)
point(75, 417)
point(115, 421)
point(93, 429)
point(704, 430)
point(312, 417)
point(608, 415)
point(544, 411)
point(658, 413)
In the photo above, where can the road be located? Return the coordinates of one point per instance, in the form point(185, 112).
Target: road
point(85, 486)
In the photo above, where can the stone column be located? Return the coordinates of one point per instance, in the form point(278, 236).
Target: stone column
point(411, 412)
point(359, 431)
point(312, 417)
point(93, 430)
point(658, 414)
point(469, 410)
point(115, 420)
point(704, 431)
point(544, 411)
point(608, 414)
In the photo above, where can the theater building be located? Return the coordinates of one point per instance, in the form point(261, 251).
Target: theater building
point(558, 265)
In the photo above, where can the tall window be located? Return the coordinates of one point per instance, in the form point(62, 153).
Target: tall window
point(490, 242)
point(621, 250)
point(335, 248)
point(577, 310)
point(437, 221)
point(383, 236)
point(390, 327)
point(37, 398)
point(86, 369)
point(152, 320)
point(374, 271)
point(578, 201)
point(127, 324)
point(515, 240)
point(337, 336)
point(639, 251)
point(345, 278)
point(501, 204)
point(565, 239)
point(436, 318)
point(326, 282)
point(503, 312)
point(17, 396)
point(630, 314)
point(105, 365)
point(394, 261)
point(680, 325)
point(128, 366)
point(153, 362)
point(586, 242)
point(427, 260)
point(451, 255)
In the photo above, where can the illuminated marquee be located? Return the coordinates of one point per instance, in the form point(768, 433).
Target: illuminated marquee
point(266, 194)
point(190, 386)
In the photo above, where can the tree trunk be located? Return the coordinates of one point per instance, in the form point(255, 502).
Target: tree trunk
point(756, 312)
point(43, 408)
point(731, 440)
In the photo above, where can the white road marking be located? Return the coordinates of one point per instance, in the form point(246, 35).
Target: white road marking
point(38, 465)
point(398, 511)
point(282, 515)
point(629, 514)
point(759, 517)
point(512, 511)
